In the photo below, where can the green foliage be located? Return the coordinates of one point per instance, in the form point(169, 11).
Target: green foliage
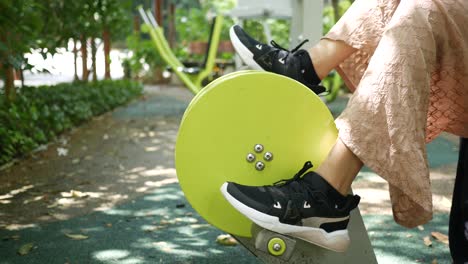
point(219, 6)
point(142, 52)
point(41, 113)
point(329, 19)
point(115, 16)
point(279, 30)
point(45, 25)
point(194, 24)
point(20, 25)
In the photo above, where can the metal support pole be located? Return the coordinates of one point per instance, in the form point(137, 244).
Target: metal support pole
point(306, 22)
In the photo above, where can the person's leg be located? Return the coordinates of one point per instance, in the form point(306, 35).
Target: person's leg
point(310, 204)
point(327, 54)
point(340, 167)
point(307, 67)
point(400, 57)
point(458, 225)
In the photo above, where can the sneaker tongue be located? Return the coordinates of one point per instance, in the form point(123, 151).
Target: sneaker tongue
point(319, 183)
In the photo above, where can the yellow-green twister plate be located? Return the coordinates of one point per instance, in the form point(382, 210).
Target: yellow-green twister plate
point(225, 121)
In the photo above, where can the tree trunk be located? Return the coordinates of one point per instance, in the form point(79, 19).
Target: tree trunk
point(107, 48)
point(172, 29)
point(336, 11)
point(21, 72)
point(84, 57)
point(136, 23)
point(158, 6)
point(10, 91)
point(75, 59)
point(93, 58)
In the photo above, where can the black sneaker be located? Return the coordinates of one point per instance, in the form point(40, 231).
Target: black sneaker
point(305, 207)
point(295, 63)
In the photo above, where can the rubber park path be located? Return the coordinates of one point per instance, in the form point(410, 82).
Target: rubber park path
point(107, 192)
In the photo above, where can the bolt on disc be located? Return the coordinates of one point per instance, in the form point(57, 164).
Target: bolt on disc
point(258, 148)
point(259, 166)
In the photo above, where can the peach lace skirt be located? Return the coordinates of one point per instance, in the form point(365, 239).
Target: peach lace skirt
point(410, 82)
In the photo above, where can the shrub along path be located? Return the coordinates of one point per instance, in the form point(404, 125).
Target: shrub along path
point(40, 113)
point(107, 193)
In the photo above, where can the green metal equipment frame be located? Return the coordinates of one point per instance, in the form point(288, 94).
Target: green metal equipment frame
point(192, 79)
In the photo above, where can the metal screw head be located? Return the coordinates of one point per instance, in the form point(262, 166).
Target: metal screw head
point(259, 166)
point(258, 148)
point(268, 156)
point(250, 157)
point(276, 247)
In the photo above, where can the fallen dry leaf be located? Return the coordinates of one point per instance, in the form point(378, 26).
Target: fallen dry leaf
point(25, 249)
point(76, 236)
point(152, 229)
point(74, 194)
point(427, 241)
point(421, 228)
point(409, 235)
point(52, 205)
point(441, 237)
point(41, 148)
point(78, 194)
point(226, 240)
point(62, 151)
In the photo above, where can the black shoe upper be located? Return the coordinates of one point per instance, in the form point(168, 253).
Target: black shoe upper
point(295, 63)
point(297, 199)
point(257, 48)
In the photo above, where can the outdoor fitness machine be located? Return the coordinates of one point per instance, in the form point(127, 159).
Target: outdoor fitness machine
point(253, 128)
point(191, 77)
point(256, 128)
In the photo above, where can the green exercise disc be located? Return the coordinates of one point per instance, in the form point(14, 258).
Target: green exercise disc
point(225, 123)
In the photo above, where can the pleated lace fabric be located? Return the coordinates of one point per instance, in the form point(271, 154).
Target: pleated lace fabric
point(410, 81)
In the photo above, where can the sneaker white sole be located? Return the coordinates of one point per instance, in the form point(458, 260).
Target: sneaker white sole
point(245, 54)
point(336, 241)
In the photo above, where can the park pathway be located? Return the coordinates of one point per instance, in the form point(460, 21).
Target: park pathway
point(107, 192)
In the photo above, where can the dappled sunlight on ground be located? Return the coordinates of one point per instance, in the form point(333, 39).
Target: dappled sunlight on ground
point(395, 244)
point(111, 159)
point(6, 198)
point(146, 230)
point(375, 198)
